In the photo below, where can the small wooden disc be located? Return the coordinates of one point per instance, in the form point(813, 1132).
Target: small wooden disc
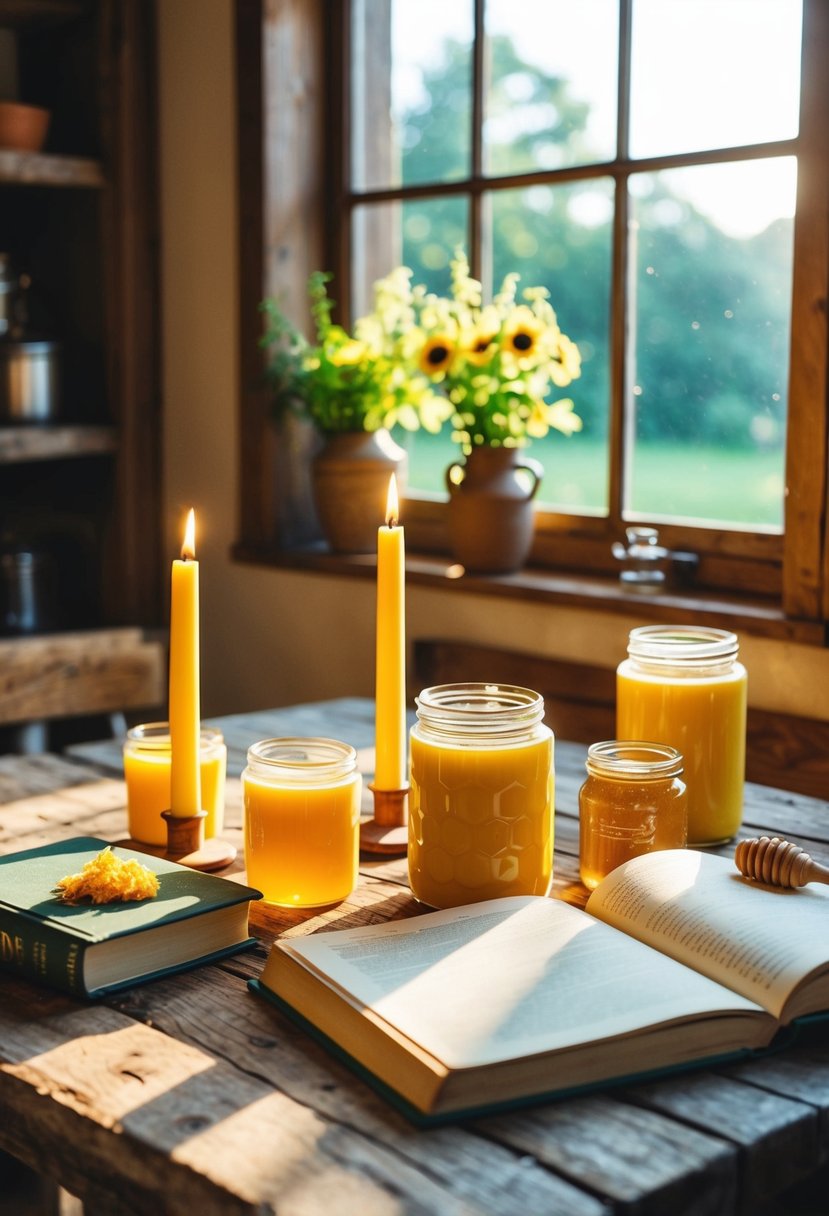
point(383, 837)
point(214, 854)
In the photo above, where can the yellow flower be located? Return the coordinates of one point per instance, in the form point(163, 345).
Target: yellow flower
point(522, 335)
point(479, 346)
point(566, 362)
point(349, 354)
point(560, 416)
point(436, 355)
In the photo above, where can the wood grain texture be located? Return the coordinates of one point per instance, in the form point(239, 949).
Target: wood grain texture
point(61, 675)
point(190, 1094)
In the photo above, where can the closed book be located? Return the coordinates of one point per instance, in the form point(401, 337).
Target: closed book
point(88, 950)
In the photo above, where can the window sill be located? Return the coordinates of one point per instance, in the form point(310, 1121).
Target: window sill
point(593, 592)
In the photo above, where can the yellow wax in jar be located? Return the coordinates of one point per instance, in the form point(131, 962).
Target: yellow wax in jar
point(480, 821)
point(704, 718)
point(148, 792)
point(623, 818)
point(302, 842)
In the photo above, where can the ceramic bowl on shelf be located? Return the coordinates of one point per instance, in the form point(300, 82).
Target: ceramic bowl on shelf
point(23, 128)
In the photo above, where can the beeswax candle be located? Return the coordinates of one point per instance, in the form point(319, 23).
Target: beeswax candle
point(185, 778)
point(390, 702)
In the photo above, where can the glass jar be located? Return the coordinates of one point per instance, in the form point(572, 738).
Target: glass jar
point(632, 802)
point(685, 687)
point(481, 795)
point(147, 774)
point(302, 820)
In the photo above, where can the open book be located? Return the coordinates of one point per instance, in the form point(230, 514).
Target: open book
point(676, 960)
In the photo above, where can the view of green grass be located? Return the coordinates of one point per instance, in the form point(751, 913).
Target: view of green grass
point(693, 482)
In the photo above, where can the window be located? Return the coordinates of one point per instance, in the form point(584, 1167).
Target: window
point(642, 159)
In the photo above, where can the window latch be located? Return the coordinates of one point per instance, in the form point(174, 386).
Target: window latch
point(648, 566)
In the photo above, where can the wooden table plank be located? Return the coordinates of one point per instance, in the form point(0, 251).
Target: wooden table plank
point(778, 1137)
point(644, 1161)
point(257, 1118)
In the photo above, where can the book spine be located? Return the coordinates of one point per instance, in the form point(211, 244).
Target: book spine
point(41, 953)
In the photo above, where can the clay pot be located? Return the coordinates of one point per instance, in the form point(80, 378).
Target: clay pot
point(23, 128)
point(491, 514)
point(350, 480)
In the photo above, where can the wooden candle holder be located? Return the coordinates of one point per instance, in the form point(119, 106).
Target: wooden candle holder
point(186, 843)
point(388, 831)
point(778, 863)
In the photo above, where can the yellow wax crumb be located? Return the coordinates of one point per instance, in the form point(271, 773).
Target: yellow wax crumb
point(106, 878)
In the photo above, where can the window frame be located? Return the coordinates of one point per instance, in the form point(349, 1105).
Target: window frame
point(298, 222)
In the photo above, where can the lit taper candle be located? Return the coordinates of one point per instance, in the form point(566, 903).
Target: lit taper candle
point(185, 724)
point(390, 771)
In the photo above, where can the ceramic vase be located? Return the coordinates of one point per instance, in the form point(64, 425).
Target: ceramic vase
point(491, 513)
point(350, 481)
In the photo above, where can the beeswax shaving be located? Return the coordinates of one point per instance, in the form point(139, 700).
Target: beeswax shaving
point(107, 879)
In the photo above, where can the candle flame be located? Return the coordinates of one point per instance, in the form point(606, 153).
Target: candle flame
point(188, 549)
point(392, 505)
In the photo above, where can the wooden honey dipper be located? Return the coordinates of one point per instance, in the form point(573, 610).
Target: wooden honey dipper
point(778, 862)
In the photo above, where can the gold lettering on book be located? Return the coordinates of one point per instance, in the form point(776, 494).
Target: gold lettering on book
point(72, 965)
point(11, 948)
point(39, 957)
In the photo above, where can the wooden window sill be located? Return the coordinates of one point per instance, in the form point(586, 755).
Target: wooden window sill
point(593, 592)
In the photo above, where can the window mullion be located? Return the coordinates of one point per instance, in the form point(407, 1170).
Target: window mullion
point(619, 425)
point(806, 554)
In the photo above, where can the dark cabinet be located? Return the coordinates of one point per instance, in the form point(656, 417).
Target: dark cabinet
point(80, 481)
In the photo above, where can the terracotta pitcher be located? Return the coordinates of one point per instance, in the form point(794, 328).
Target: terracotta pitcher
point(491, 514)
point(350, 479)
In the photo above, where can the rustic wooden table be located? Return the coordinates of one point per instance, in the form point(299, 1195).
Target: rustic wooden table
point(190, 1095)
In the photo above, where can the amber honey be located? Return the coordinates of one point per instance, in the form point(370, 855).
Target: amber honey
point(481, 795)
point(684, 686)
point(633, 801)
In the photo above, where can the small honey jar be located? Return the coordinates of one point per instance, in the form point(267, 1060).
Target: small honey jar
point(632, 802)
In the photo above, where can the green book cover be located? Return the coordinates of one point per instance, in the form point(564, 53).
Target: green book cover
point(91, 949)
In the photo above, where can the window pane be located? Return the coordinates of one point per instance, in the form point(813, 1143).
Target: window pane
point(551, 83)
point(712, 276)
point(421, 234)
point(560, 238)
point(411, 91)
point(713, 74)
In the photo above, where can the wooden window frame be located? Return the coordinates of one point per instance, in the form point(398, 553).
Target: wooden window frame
point(293, 90)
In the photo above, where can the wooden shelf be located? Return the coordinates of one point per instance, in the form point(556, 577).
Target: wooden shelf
point(19, 444)
point(47, 169)
point(37, 14)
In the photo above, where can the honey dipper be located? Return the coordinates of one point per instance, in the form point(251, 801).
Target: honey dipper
point(778, 862)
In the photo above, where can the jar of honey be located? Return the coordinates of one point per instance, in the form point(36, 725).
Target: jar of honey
point(302, 820)
point(632, 802)
point(481, 795)
point(684, 686)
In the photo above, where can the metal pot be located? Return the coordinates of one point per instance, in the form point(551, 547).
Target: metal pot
point(27, 590)
point(29, 381)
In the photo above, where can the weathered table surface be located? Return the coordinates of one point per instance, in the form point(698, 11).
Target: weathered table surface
point(191, 1095)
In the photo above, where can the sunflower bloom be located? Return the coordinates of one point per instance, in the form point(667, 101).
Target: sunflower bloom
point(436, 355)
point(480, 346)
point(522, 336)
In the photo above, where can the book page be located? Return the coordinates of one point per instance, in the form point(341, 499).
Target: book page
point(760, 941)
point(508, 978)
